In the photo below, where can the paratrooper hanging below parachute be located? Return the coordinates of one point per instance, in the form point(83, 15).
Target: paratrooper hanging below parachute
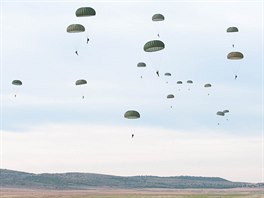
point(232, 30)
point(16, 83)
point(157, 18)
point(81, 82)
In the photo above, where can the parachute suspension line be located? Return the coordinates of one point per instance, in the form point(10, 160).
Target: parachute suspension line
point(208, 86)
point(81, 82)
point(17, 84)
point(237, 70)
point(232, 31)
point(75, 30)
point(170, 98)
point(84, 12)
point(132, 114)
point(156, 18)
point(235, 56)
point(141, 66)
point(151, 65)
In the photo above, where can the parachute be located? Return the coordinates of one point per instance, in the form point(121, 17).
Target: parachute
point(220, 113)
point(85, 12)
point(153, 46)
point(141, 64)
point(232, 36)
point(179, 82)
point(232, 29)
point(207, 86)
point(158, 17)
point(226, 111)
point(132, 114)
point(189, 82)
point(170, 96)
point(17, 82)
point(75, 28)
point(235, 56)
point(81, 82)
point(167, 75)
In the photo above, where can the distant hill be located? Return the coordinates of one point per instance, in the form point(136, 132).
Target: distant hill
point(16, 179)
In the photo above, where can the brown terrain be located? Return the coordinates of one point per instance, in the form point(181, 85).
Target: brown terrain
point(134, 193)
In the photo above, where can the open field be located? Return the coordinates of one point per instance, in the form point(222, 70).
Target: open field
point(133, 193)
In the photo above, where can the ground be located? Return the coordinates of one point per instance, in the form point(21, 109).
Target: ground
point(133, 193)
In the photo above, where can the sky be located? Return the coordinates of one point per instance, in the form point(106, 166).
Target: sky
point(48, 127)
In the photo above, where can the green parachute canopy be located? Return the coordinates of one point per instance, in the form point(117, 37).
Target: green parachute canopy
point(235, 56)
point(232, 29)
point(75, 28)
point(141, 64)
point(132, 114)
point(153, 46)
point(226, 111)
point(170, 96)
point(85, 12)
point(17, 82)
point(220, 113)
point(189, 81)
point(179, 82)
point(158, 17)
point(208, 85)
point(167, 74)
point(81, 82)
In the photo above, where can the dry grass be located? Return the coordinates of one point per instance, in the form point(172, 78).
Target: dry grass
point(135, 193)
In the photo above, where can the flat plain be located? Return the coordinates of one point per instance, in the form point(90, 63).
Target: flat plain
point(133, 193)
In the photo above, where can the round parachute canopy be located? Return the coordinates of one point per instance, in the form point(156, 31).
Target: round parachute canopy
point(170, 96)
point(220, 113)
point(167, 74)
point(85, 12)
point(158, 17)
point(226, 111)
point(141, 64)
point(17, 82)
point(189, 81)
point(179, 82)
point(235, 56)
point(208, 85)
point(81, 82)
point(153, 46)
point(131, 114)
point(232, 29)
point(75, 28)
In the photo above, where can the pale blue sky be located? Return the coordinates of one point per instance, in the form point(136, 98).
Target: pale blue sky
point(37, 49)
